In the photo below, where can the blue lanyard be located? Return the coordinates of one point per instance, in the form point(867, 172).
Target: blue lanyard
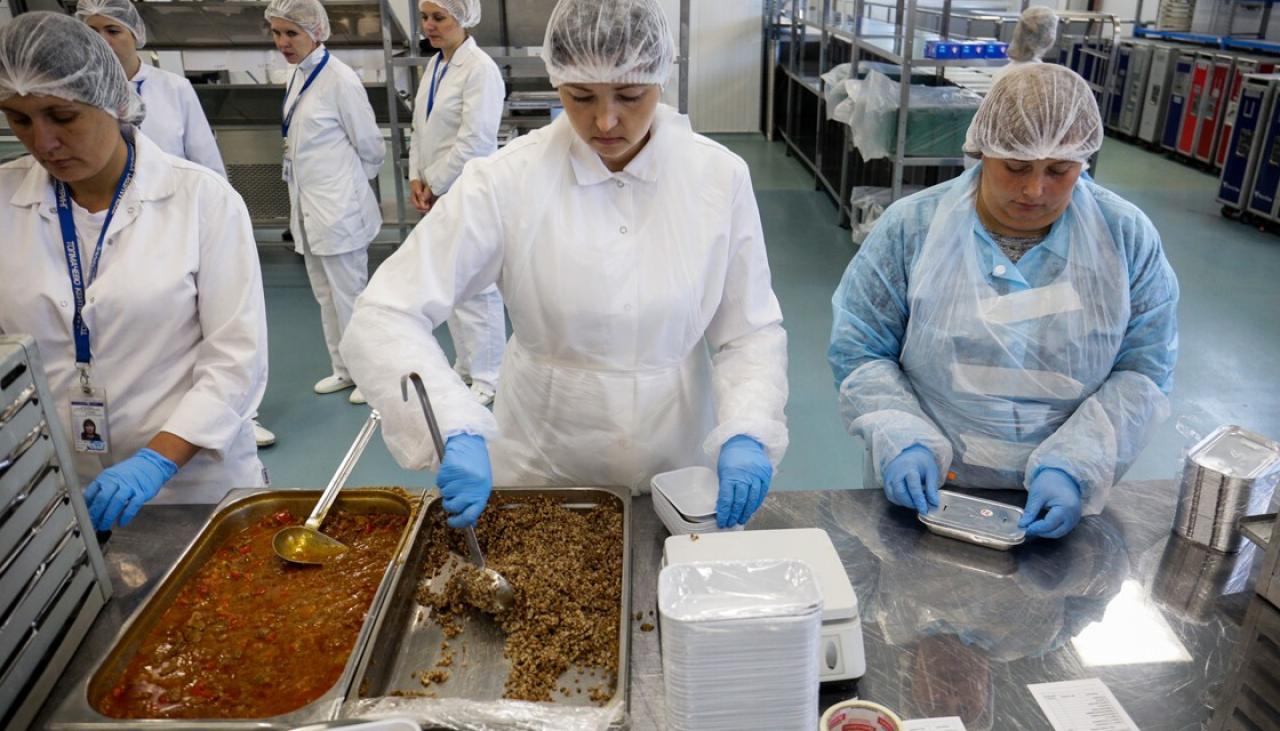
point(431, 94)
point(138, 85)
point(71, 247)
point(288, 116)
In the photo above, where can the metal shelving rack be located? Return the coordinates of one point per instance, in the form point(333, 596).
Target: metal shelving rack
point(801, 44)
point(806, 39)
point(53, 580)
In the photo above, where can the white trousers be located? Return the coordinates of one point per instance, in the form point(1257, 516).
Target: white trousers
point(336, 281)
point(479, 331)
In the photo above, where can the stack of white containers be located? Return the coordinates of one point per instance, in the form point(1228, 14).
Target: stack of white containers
point(738, 643)
point(685, 500)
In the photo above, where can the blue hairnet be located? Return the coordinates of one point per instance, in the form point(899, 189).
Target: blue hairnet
point(50, 54)
point(121, 11)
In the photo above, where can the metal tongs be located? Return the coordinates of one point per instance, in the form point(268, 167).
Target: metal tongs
point(305, 543)
point(500, 596)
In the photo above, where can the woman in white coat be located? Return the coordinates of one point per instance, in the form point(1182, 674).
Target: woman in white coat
point(332, 148)
point(137, 274)
point(455, 119)
point(175, 120)
point(631, 257)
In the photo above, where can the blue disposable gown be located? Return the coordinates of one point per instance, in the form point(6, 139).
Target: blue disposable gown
point(1062, 360)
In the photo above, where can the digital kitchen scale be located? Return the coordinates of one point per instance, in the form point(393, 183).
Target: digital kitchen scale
point(841, 655)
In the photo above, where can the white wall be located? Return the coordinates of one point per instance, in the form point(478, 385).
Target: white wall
point(725, 41)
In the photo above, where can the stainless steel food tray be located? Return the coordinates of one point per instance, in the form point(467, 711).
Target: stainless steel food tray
point(239, 510)
point(407, 640)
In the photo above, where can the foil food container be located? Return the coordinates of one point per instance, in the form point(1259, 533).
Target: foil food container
point(975, 520)
point(241, 509)
point(1228, 475)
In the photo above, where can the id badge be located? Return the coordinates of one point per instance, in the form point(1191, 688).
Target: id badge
point(89, 421)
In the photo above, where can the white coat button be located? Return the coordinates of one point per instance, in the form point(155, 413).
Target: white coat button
point(131, 210)
point(63, 303)
point(999, 270)
point(622, 230)
point(621, 184)
point(93, 299)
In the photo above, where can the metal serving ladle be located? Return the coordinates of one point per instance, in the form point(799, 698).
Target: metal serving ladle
point(501, 596)
point(305, 543)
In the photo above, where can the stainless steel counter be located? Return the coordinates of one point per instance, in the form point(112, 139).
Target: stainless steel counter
point(950, 629)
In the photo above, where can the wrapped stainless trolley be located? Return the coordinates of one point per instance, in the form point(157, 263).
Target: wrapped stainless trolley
point(53, 581)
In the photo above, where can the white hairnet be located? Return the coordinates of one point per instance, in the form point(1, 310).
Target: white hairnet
point(1035, 34)
point(1037, 111)
point(466, 12)
point(50, 54)
point(608, 42)
point(309, 15)
point(121, 11)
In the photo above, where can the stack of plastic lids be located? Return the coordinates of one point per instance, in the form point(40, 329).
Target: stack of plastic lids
point(685, 500)
point(738, 642)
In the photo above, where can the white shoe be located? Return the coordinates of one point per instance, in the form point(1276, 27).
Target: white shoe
point(356, 397)
point(482, 393)
point(262, 435)
point(333, 384)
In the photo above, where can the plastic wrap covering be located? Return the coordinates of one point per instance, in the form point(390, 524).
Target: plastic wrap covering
point(892, 70)
point(738, 642)
point(867, 202)
point(937, 118)
point(848, 106)
point(490, 715)
point(833, 88)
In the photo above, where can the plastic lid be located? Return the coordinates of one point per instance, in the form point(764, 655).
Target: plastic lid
point(726, 590)
point(990, 519)
point(1238, 453)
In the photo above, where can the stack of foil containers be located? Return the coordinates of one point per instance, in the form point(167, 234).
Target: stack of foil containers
point(1228, 475)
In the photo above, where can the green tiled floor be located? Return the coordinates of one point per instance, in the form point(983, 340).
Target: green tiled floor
point(1229, 340)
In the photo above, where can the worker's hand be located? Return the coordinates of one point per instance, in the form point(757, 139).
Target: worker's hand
point(745, 473)
point(418, 195)
point(120, 491)
point(465, 479)
point(911, 479)
point(1054, 491)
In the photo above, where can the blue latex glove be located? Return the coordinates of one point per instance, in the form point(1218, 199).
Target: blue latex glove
point(745, 473)
point(911, 479)
point(1056, 492)
point(465, 479)
point(120, 491)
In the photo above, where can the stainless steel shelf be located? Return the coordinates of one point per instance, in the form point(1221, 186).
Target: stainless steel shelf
point(812, 83)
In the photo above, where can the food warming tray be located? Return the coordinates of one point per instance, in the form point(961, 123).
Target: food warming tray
point(406, 640)
point(238, 511)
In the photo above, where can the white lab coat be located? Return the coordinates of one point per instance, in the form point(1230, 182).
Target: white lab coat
point(175, 120)
point(334, 149)
point(464, 119)
point(463, 125)
point(646, 331)
point(176, 316)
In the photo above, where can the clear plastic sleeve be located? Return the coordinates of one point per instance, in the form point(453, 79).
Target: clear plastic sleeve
point(937, 118)
point(489, 715)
